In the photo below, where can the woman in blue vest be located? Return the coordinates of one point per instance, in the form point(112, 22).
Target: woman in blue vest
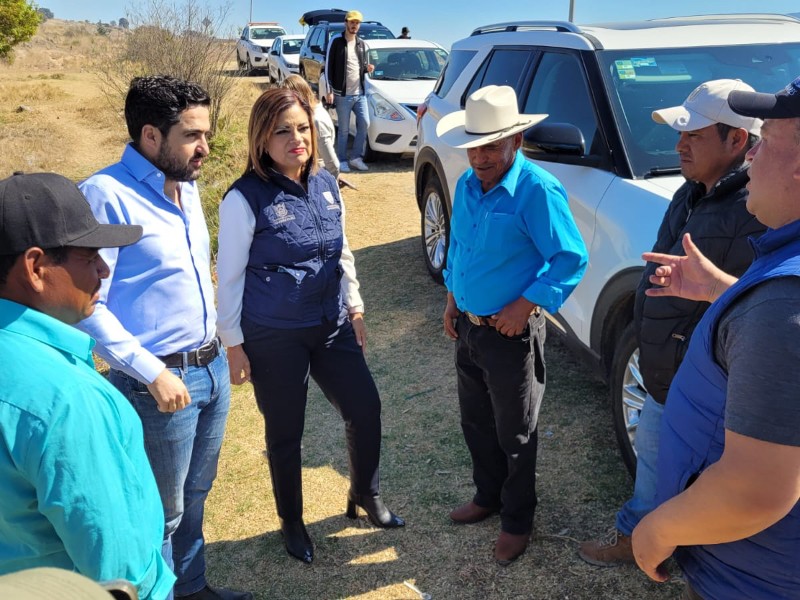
point(289, 307)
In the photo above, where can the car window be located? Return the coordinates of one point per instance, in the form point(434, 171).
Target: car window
point(504, 66)
point(292, 46)
point(245, 31)
point(315, 39)
point(455, 65)
point(641, 81)
point(559, 90)
point(375, 33)
point(407, 63)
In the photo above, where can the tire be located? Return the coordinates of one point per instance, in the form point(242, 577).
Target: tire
point(370, 155)
point(269, 75)
point(435, 228)
point(627, 395)
point(251, 70)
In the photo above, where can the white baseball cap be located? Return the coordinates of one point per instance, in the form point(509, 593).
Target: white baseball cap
point(707, 105)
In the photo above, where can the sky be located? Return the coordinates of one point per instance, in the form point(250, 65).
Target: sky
point(444, 22)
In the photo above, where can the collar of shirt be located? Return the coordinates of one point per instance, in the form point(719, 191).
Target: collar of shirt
point(28, 322)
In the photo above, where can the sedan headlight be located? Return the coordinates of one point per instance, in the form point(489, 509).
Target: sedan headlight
point(384, 109)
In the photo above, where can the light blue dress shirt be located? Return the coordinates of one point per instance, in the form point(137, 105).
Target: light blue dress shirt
point(159, 298)
point(517, 239)
point(77, 489)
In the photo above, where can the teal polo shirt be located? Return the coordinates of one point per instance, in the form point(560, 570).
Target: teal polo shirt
point(77, 489)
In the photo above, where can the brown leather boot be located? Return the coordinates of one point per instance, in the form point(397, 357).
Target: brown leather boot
point(612, 550)
point(509, 547)
point(471, 513)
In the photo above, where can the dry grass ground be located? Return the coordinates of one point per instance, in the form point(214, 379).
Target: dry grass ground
point(425, 466)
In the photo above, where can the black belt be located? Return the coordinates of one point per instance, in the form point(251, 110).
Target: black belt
point(195, 358)
point(490, 321)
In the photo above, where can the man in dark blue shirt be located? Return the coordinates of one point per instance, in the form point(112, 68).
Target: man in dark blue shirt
point(514, 251)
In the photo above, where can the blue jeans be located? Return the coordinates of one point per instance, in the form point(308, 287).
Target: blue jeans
point(183, 449)
point(644, 489)
point(344, 106)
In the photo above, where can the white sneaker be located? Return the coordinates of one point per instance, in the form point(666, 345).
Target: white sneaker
point(344, 167)
point(358, 164)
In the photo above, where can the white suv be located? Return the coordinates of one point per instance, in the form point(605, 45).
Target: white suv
point(252, 48)
point(599, 85)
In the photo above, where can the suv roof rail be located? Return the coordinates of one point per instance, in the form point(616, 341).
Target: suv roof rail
point(563, 26)
point(734, 17)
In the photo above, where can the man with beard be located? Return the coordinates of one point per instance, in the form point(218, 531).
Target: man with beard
point(155, 323)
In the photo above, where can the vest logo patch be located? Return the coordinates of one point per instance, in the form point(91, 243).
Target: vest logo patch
point(280, 214)
point(332, 204)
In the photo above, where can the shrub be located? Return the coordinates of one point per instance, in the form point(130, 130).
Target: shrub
point(175, 39)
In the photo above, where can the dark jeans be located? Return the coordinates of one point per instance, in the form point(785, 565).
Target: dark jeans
point(501, 382)
point(281, 361)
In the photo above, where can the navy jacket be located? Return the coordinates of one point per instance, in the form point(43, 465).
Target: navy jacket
point(293, 273)
point(762, 566)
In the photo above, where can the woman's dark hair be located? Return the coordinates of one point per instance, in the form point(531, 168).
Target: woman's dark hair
point(159, 100)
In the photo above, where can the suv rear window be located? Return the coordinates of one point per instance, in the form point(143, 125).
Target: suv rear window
point(459, 59)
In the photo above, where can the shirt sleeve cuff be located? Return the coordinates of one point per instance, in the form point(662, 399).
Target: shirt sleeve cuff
point(231, 337)
point(147, 367)
point(547, 296)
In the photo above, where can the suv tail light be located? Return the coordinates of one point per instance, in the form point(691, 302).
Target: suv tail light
point(421, 110)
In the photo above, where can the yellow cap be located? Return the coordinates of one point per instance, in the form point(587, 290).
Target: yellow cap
point(354, 15)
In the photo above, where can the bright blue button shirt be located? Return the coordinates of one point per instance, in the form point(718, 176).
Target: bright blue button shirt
point(77, 489)
point(159, 298)
point(517, 239)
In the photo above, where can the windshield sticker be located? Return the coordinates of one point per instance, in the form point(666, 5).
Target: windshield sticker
point(644, 62)
point(625, 69)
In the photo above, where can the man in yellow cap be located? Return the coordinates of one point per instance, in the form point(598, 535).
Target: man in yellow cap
point(345, 66)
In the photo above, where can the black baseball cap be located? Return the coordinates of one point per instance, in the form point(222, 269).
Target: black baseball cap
point(784, 104)
point(47, 210)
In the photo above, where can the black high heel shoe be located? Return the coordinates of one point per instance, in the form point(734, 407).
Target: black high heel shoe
point(376, 510)
point(297, 541)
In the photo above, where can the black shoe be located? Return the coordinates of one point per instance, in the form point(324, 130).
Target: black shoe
point(298, 543)
point(209, 593)
point(376, 510)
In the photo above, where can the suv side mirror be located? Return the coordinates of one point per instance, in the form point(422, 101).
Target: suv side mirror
point(316, 49)
point(274, 52)
point(554, 138)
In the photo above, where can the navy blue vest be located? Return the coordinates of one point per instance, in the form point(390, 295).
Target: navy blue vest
point(293, 273)
point(763, 566)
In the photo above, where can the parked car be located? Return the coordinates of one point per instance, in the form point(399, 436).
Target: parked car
point(315, 46)
point(599, 85)
point(405, 73)
point(253, 46)
point(283, 57)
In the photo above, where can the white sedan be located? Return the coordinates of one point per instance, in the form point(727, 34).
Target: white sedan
point(283, 57)
point(405, 73)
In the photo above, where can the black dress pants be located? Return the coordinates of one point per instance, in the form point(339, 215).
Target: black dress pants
point(281, 361)
point(501, 382)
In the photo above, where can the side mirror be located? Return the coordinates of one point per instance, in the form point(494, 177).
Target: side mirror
point(316, 49)
point(554, 138)
point(274, 52)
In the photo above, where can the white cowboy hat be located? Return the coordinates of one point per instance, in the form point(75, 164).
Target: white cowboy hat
point(491, 114)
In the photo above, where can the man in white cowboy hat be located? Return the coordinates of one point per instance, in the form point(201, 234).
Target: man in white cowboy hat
point(711, 206)
point(514, 251)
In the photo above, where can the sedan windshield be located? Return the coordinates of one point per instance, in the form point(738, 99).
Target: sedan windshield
point(407, 63)
point(641, 81)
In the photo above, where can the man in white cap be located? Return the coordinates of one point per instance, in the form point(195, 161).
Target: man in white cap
point(711, 206)
point(729, 453)
point(514, 251)
point(345, 66)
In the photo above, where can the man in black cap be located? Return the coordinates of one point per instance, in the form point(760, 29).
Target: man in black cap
point(78, 491)
point(729, 448)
